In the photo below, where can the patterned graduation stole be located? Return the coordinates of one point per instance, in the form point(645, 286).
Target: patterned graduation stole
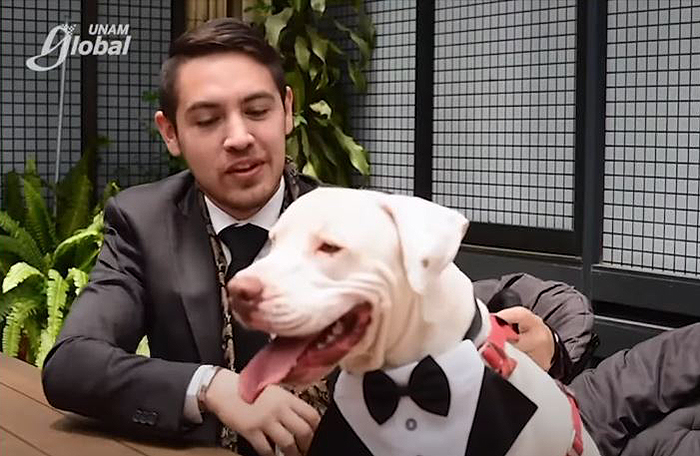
point(317, 394)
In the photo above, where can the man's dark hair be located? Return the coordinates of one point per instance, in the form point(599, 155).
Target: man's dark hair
point(214, 37)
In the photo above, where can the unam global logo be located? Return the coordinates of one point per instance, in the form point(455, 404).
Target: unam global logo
point(61, 37)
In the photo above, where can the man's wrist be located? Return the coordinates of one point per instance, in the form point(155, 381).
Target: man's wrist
point(560, 368)
point(555, 352)
point(207, 377)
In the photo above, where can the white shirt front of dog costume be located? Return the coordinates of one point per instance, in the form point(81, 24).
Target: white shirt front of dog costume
point(411, 430)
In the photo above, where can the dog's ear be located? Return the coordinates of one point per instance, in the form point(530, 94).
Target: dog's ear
point(429, 234)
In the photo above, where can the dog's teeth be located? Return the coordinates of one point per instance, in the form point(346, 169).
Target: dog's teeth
point(330, 337)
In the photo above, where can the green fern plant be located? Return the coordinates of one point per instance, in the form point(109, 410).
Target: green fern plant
point(45, 260)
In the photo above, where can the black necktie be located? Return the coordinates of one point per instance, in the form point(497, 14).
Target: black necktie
point(427, 386)
point(244, 242)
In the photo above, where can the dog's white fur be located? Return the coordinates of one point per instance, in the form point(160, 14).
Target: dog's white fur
point(396, 253)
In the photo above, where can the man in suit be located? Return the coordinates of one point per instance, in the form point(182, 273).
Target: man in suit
point(226, 109)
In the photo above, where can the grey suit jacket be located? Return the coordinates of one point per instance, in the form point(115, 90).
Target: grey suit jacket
point(155, 275)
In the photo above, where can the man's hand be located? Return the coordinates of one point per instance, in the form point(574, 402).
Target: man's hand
point(277, 417)
point(536, 339)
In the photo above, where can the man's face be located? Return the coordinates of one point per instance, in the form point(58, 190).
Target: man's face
point(231, 127)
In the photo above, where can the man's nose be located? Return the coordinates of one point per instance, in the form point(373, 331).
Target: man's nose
point(245, 293)
point(238, 135)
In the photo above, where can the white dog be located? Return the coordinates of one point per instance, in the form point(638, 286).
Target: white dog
point(365, 280)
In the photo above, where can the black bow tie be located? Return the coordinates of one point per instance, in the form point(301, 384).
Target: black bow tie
point(427, 387)
point(244, 242)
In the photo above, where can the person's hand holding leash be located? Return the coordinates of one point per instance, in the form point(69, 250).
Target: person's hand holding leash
point(277, 417)
point(536, 339)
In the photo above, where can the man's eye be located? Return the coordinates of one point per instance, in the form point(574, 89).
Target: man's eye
point(206, 122)
point(256, 113)
point(329, 248)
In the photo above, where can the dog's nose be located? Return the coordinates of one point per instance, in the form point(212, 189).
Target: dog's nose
point(245, 293)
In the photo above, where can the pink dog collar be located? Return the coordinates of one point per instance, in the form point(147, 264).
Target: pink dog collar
point(493, 349)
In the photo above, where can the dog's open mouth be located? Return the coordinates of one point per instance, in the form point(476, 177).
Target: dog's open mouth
point(302, 360)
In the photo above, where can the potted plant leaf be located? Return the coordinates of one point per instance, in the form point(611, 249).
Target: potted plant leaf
point(307, 37)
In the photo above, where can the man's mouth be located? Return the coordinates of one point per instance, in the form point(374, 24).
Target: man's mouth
point(303, 360)
point(244, 168)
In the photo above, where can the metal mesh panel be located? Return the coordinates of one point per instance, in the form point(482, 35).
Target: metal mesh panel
point(134, 154)
point(504, 110)
point(29, 99)
point(382, 119)
point(652, 136)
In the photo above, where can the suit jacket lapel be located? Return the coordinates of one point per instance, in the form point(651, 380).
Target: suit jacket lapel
point(196, 278)
point(335, 436)
point(501, 413)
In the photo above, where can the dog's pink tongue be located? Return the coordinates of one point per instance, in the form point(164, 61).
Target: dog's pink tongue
point(270, 365)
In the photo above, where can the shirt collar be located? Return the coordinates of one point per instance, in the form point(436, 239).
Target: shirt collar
point(264, 218)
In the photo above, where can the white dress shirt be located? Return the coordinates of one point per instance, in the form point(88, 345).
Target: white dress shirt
point(264, 218)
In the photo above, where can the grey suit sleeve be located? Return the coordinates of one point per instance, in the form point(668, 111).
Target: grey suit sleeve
point(92, 370)
point(633, 389)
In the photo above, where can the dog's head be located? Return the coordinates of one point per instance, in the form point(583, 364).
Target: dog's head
point(342, 282)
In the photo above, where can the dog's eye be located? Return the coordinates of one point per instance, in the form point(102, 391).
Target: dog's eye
point(329, 248)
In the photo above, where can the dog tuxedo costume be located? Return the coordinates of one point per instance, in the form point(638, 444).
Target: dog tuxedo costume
point(452, 404)
point(348, 427)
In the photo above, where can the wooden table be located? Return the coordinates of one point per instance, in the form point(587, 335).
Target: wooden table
point(29, 426)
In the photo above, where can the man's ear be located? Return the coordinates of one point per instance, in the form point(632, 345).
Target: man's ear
point(288, 111)
point(168, 133)
point(429, 235)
